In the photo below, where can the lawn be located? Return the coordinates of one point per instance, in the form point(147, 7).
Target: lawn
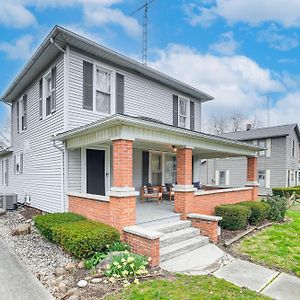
point(277, 246)
point(187, 288)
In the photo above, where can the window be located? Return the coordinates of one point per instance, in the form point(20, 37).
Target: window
point(262, 178)
point(183, 110)
point(222, 178)
point(18, 160)
point(293, 148)
point(156, 168)
point(262, 144)
point(5, 172)
point(22, 114)
point(103, 91)
point(170, 169)
point(47, 89)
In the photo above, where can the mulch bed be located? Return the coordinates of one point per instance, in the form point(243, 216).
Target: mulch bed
point(29, 212)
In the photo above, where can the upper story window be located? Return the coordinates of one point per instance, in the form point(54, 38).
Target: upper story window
point(262, 144)
point(183, 112)
point(103, 91)
point(22, 114)
point(47, 94)
point(293, 149)
point(183, 107)
point(18, 163)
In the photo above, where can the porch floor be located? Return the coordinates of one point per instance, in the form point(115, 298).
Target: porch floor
point(150, 213)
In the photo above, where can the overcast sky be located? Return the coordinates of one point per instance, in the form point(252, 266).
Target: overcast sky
point(240, 52)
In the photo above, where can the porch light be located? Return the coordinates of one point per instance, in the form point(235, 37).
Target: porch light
point(174, 148)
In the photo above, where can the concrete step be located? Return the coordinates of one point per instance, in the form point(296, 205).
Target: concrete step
point(178, 236)
point(172, 226)
point(160, 221)
point(183, 247)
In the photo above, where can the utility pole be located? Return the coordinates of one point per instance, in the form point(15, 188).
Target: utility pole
point(144, 7)
point(268, 111)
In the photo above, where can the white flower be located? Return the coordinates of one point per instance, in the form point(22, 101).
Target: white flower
point(136, 281)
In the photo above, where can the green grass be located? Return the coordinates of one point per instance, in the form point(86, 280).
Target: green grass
point(277, 246)
point(186, 288)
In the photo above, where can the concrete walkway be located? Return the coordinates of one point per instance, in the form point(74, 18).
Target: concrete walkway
point(16, 281)
point(210, 259)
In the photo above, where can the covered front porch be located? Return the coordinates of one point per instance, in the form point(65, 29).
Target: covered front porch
point(109, 161)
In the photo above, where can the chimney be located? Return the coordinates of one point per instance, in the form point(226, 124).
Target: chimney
point(248, 127)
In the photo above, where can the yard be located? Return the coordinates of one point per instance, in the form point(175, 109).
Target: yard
point(186, 287)
point(277, 246)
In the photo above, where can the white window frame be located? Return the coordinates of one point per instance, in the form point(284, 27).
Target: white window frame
point(164, 167)
point(4, 174)
point(97, 66)
point(84, 167)
point(262, 153)
point(261, 171)
point(18, 167)
point(45, 95)
point(222, 172)
point(181, 98)
point(21, 114)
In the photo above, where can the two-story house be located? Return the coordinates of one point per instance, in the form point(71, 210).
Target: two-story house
point(90, 127)
point(278, 165)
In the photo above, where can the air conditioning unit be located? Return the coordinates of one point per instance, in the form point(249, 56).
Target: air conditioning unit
point(8, 201)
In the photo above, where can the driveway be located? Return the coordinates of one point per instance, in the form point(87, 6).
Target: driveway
point(17, 282)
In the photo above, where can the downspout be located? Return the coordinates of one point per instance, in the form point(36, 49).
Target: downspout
point(62, 151)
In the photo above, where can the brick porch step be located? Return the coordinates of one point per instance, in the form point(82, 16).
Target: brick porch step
point(182, 247)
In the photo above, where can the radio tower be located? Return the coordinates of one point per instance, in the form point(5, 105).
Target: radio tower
point(144, 7)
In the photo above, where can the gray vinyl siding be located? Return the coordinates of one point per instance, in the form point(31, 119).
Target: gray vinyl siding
point(278, 164)
point(142, 97)
point(137, 169)
point(42, 173)
point(292, 163)
point(74, 170)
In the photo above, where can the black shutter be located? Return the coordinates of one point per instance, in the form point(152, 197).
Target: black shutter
point(18, 116)
point(15, 164)
point(145, 167)
point(175, 110)
point(41, 98)
point(53, 92)
point(87, 85)
point(119, 93)
point(7, 171)
point(24, 119)
point(192, 115)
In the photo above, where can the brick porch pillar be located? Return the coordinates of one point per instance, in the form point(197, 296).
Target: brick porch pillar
point(252, 176)
point(184, 190)
point(122, 195)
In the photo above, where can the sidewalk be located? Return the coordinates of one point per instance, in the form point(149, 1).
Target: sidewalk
point(210, 259)
point(17, 282)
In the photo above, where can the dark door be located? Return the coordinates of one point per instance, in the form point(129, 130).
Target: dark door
point(95, 172)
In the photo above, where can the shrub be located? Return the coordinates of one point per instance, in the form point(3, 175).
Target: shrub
point(46, 223)
point(259, 211)
point(278, 207)
point(118, 246)
point(127, 265)
point(82, 239)
point(93, 261)
point(234, 216)
point(285, 191)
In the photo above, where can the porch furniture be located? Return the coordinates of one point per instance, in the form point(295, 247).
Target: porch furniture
point(168, 190)
point(151, 192)
point(197, 185)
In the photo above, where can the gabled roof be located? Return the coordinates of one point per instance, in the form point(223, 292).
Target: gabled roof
point(48, 51)
point(265, 132)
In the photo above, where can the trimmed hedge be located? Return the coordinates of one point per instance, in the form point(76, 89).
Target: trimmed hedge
point(234, 216)
point(284, 191)
point(259, 211)
point(46, 223)
point(278, 207)
point(83, 238)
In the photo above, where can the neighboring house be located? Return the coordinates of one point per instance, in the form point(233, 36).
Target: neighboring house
point(277, 166)
point(74, 100)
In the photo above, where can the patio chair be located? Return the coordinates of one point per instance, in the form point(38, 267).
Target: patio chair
point(151, 192)
point(168, 190)
point(197, 185)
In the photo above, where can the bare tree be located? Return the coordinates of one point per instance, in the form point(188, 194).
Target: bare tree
point(238, 120)
point(5, 131)
point(219, 124)
point(255, 122)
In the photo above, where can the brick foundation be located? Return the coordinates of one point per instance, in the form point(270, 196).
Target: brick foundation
point(183, 203)
point(144, 246)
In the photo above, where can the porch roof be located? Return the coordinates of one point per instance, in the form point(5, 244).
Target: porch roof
point(145, 130)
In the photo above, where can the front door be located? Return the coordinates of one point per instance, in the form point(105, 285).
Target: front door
point(95, 172)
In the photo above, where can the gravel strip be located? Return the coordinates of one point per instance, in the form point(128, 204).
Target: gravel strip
point(41, 256)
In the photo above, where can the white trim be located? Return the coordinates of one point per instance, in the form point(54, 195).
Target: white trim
point(200, 192)
point(268, 179)
point(227, 177)
point(66, 87)
point(217, 177)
